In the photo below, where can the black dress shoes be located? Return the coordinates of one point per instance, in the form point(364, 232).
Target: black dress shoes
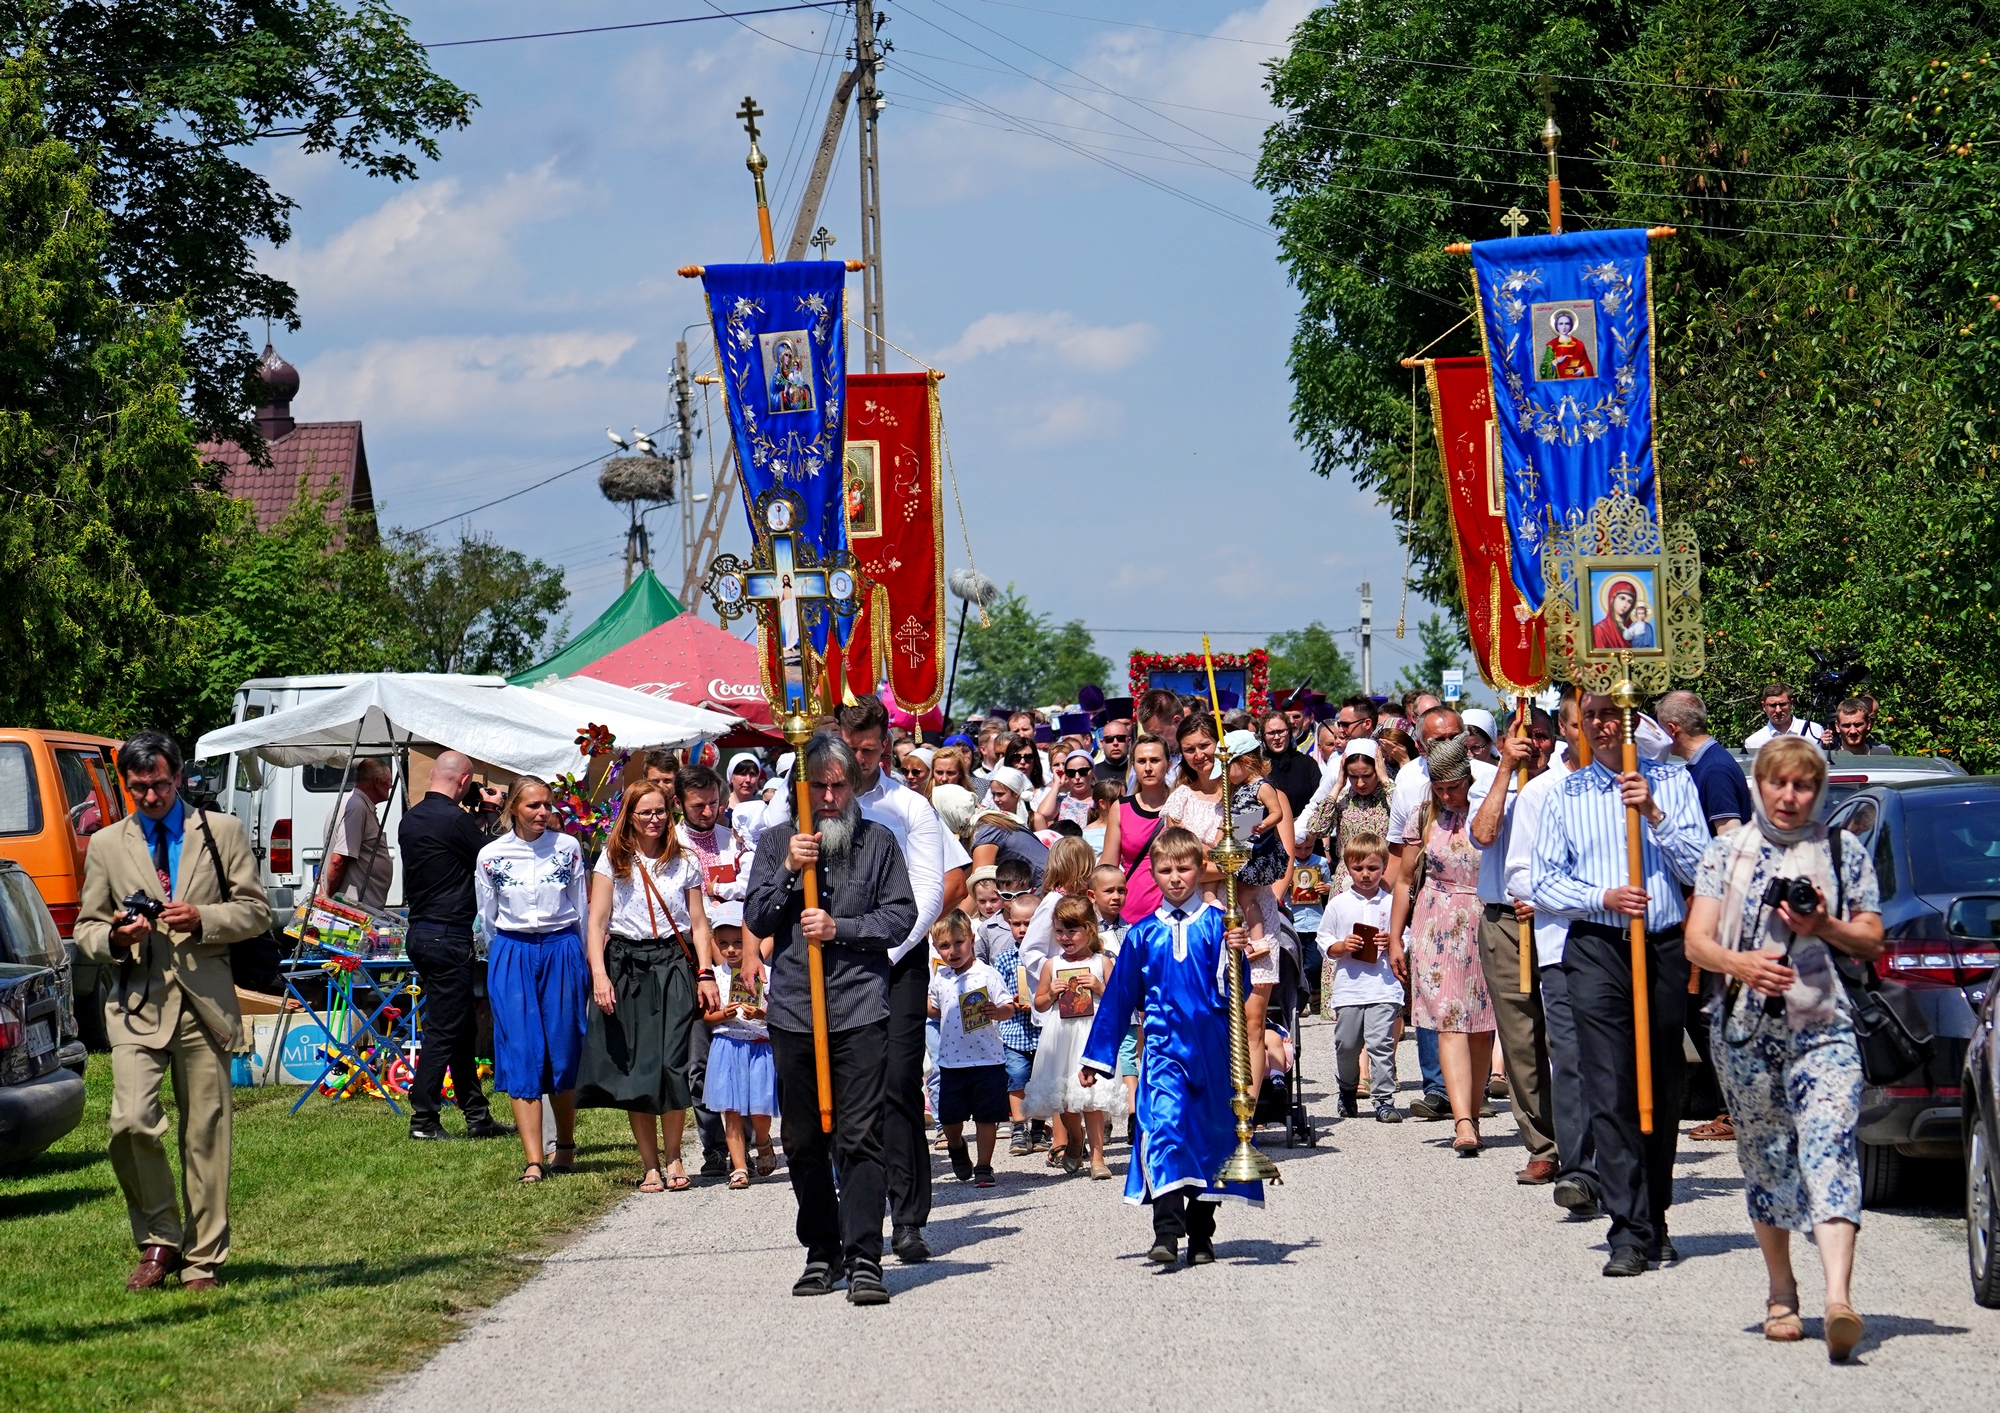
point(817, 1280)
point(1574, 1196)
point(1201, 1253)
point(909, 1245)
point(1626, 1261)
point(864, 1284)
point(428, 1129)
point(484, 1127)
point(1166, 1252)
point(1663, 1255)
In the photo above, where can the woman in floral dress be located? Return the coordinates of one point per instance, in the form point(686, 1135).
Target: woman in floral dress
point(1441, 958)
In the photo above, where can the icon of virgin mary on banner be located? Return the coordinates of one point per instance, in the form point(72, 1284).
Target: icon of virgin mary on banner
point(1567, 321)
point(781, 350)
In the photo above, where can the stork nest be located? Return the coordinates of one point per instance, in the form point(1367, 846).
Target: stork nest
point(625, 479)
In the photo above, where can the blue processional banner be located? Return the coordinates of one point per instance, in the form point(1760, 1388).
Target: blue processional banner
point(1568, 321)
point(781, 347)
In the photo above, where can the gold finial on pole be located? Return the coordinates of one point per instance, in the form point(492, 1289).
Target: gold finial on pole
point(757, 162)
point(1625, 696)
point(1230, 854)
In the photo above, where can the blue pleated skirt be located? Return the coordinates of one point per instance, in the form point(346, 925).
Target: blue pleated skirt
point(742, 1077)
point(538, 984)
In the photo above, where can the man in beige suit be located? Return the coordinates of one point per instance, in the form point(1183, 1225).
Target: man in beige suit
point(173, 1006)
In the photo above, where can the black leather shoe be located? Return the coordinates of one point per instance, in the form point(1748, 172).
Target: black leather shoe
point(961, 1163)
point(817, 1279)
point(714, 1166)
point(1430, 1108)
point(428, 1130)
point(1166, 1252)
point(1663, 1255)
point(909, 1245)
point(485, 1127)
point(1626, 1261)
point(864, 1284)
point(1200, 1253)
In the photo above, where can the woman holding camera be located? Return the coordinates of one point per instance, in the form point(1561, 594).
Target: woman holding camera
point(1773, 902)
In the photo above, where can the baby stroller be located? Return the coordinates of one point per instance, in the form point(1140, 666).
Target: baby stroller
point(1282, 1099)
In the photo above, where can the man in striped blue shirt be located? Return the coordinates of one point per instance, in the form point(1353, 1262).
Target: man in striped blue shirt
point(1580, 873)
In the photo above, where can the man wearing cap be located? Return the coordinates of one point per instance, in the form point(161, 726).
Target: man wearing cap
point(936, 865)
point(1580, 873)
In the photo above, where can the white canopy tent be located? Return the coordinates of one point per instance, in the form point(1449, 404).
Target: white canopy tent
point(529, 732)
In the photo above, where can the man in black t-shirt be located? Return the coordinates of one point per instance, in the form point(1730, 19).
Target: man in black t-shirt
point(440, 844)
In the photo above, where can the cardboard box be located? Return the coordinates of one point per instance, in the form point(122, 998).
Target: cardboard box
point(285, 1047)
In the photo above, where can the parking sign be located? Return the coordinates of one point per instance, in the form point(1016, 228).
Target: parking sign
point(1454, 684)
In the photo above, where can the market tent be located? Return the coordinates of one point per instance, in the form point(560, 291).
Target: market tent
point(693, 661)
point(529, 733)
point(644, 606)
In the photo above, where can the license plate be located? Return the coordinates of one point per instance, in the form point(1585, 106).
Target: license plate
point(41, 1038)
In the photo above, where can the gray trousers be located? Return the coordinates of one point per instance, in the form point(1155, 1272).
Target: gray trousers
point(1373, 1028)
point(1576, 1153)
point(1524, 1047)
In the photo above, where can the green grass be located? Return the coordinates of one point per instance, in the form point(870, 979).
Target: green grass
point(354, 1252)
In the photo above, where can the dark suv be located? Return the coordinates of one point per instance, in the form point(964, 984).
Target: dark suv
point(41, 1058)
point(1936, 848)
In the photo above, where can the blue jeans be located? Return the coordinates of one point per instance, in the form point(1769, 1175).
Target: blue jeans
point(1427, 1062)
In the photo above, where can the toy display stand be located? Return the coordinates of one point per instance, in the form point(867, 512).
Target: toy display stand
point(373, 1016)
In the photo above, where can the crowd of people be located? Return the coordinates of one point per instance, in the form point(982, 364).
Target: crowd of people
point(1018, 927)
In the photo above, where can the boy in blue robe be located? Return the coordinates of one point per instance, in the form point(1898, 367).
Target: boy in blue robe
point(1171, 967)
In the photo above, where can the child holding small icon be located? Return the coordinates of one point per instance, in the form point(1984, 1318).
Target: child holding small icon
point(1065, 1004)
point(968, 1000)
point(1361, 991)
point(742, 1082)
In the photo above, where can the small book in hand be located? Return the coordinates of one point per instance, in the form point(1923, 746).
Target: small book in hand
point(1370, 949)
point(972, 1010)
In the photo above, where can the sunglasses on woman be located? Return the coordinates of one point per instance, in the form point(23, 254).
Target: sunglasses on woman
point(1078, 774)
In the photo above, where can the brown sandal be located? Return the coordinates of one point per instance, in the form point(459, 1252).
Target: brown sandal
point(1844, 1330)
point(767, 1163)
point(1781, 1321)
point(650, 1181)
point(1717, 1130)
point(680, 1181)
point(1466, 1149)
point(739, 1179)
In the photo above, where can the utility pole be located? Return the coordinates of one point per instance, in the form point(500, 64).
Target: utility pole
point(1367, 641)
point(684, 453)
point(867, 58)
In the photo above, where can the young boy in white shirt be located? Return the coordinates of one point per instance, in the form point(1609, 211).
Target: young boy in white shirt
point(1361, 991)
point(968, 1000)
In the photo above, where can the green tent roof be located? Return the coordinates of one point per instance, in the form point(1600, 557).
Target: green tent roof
point(640, 609)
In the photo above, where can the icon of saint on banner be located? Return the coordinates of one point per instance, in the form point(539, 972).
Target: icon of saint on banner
point(1566, 337)
point(788, 381)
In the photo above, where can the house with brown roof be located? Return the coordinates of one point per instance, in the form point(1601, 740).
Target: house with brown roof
point(319, 454)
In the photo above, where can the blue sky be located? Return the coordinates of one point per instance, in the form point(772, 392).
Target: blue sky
point(1117, 398)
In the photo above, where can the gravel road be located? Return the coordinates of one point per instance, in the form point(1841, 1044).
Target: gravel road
point(1384, 1272)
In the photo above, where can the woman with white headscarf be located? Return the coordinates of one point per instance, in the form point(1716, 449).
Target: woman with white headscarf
point(1001, 829)
point(1359, 806)
point(1788, 1061)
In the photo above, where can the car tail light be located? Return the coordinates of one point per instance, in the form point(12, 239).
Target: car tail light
point(281, 846)
point(65, 916)
point(1937, 960)
point(10, 1029)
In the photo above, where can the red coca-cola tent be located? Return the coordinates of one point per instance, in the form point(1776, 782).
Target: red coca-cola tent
point(691, 661)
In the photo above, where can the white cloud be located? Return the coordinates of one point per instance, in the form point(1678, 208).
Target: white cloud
point(431, 245)
point(484, 381)
point(1068, 420)
point(1102, 348)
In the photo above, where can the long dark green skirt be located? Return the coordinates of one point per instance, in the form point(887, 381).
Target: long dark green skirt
point(636, 1058)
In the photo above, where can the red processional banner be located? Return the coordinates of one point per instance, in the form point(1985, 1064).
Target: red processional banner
point(895, 528)
point(1508, 637)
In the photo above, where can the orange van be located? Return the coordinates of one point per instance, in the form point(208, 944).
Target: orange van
point(57, 788)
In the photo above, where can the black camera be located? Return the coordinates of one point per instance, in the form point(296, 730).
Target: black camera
point(1796, 893)
point(140, 905)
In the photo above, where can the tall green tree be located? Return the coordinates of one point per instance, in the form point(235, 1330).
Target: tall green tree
point(112, 527)
point(1310, 654)
point(1023, 659)
point(164, 99)
point(1824, 340)
point(475, 606)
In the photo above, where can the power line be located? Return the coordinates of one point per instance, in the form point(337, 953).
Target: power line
point(547, 480)
point(641, 24)
point(1440, 64)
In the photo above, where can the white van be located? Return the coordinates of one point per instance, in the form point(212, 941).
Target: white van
point(287, 811)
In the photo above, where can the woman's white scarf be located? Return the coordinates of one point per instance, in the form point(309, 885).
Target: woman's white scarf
point(1794, 853)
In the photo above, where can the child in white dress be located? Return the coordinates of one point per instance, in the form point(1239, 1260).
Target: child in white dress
point(1065, 1002)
